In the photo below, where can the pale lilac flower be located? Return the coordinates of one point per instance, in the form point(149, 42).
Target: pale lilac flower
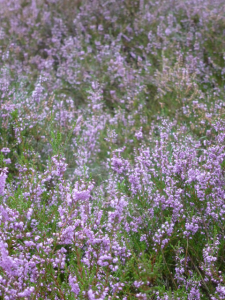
point(74, 285)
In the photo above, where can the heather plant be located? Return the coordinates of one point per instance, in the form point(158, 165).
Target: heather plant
point(112, 161)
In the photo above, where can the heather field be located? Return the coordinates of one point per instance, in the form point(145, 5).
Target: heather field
point(112, 149)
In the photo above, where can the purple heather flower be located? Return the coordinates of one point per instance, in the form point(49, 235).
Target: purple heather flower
point(3, 176)
point(5, 150)
point(74, 285)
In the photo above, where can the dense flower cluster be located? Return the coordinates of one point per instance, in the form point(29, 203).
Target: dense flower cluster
point(112, 149)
